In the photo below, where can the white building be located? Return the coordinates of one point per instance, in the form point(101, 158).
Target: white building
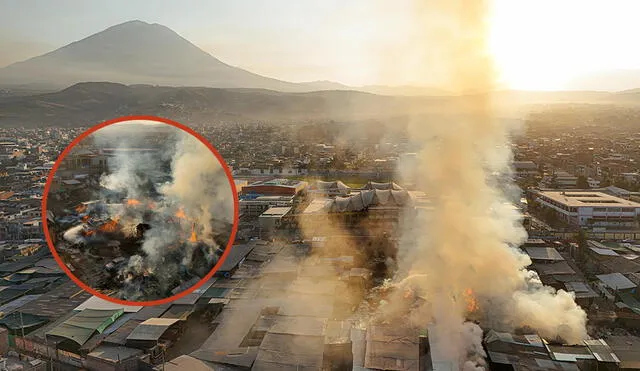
point(590, 209)
point(258, 205)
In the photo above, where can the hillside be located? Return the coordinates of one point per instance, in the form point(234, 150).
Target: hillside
point(89, 103)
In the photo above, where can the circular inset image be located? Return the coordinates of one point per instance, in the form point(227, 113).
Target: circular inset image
point(140, 210)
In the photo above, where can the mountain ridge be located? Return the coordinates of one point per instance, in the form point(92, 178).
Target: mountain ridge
point(88, 103)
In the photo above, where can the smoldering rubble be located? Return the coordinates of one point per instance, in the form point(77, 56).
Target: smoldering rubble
point(161, 219)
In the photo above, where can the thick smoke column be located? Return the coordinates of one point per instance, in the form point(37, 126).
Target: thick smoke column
point(466, 242)
point(180, 191)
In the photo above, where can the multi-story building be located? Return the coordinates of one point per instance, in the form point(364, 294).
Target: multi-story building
point(590, 209)
point(275, 187)
point(258, 205)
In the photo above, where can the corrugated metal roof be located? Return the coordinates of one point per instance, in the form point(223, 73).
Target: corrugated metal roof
point(186, 362)
point(114, 354)
point(616, 281)
point(630, 302)
point(95, 302)
point(604, 252)
point(561, 267)
point(119, 336)
point(151, 329)
point(57, 303)
point(15, 304)
point(179, 311)
point(305, 326)
point(281, 349)
point(83, 325)
point(601, 350)
point(544, 253)
point(17, 321)
point(237, 253)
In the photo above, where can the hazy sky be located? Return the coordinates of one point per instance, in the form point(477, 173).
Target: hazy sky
point(538, 44)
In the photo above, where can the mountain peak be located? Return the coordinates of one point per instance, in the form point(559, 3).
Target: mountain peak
point(138, 52)
point(137, 24)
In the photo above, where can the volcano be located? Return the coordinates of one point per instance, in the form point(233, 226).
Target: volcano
point(137, 52)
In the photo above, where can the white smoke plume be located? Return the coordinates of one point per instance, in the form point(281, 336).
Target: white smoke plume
point(73, 234)
point(181, 192)
point(465, 246)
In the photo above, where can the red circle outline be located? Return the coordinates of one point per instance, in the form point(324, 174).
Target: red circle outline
point(170, 299)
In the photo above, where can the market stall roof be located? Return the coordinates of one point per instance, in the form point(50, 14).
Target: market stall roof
point(95, 302)
point(83, 325)
point(152, 329)
point(16, 321)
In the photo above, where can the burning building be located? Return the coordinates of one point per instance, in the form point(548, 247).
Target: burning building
point(159, 219)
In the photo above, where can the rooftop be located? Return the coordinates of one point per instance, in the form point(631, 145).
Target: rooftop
point(279, 182)
point(588, 199)
point(276, 212)
point(616, 281)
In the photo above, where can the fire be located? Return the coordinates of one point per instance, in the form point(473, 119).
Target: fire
point(133, 201)
point(472, 302)
point(110, 226)
point(408, 293)
point(180, 214)
point(193, 237)
point(85, 218)
point(89, 233)
point(81, 208)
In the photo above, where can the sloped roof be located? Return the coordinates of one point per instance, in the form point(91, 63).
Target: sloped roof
point(382, 186)
point(505, 337)
point(630, 302)
point(17, 320)
point(561, 267)
point(331, 186)
point(152, 329)
point(616, 281)
point(115, 354)
point(187, 362)
point(83, 325)
point(601, 350)
point(95, 302)
point(544, 253)
point(280, 350)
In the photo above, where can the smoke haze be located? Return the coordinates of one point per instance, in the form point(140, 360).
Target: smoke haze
point(173, 184)
point(466, 242)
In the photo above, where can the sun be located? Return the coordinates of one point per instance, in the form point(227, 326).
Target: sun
point(525, 54)
point(549, 44)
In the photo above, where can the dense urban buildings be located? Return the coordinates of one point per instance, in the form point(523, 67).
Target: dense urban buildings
point(289, 296)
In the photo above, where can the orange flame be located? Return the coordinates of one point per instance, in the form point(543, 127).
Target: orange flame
point(180, 214)
point(472, 302)
point(89, 233)
point(193, 237)
point(133, 201)
point(110, 226)
point(408, 294)
point(85, 218)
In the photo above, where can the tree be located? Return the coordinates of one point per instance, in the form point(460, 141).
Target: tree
point(581, 240)
point(582, 182)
